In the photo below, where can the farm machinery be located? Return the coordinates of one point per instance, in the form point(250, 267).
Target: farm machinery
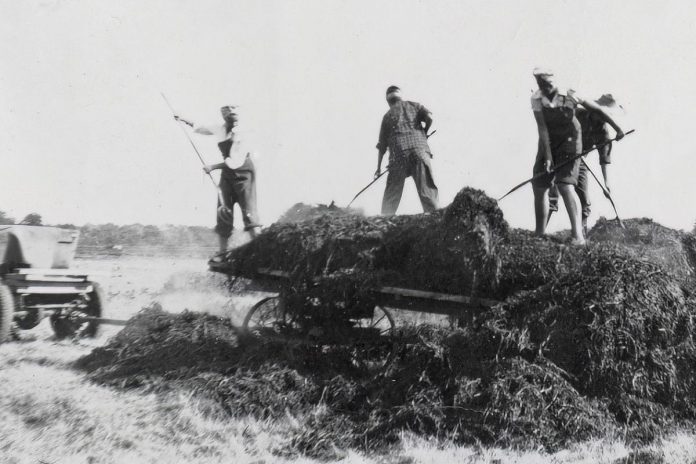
point(36, 282)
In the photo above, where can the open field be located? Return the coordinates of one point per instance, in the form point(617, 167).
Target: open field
point(50, 413)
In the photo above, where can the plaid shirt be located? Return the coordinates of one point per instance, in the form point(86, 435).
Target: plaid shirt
point(401, 129)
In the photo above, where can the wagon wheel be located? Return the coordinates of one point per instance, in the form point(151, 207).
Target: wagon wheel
point(375, 350)
point(6, 310)
point(268, 316)
point(74, 324)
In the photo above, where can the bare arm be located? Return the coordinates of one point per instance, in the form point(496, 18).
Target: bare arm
point(185, 121)
point(544, 139)
point(380, 156)
point(592, 106)
point(227, 163)
point(212, 167)
point(203, 130)
point(381, 146)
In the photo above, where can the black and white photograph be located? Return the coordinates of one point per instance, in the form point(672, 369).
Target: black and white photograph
point(347, 231)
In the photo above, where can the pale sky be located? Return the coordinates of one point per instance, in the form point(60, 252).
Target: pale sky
point(86, 136)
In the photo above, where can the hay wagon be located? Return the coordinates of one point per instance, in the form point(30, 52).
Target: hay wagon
point(368, 331)
point(36, 282)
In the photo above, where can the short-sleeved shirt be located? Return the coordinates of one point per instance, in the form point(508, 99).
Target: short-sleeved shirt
point(595, 132)
point(228, 141)
point(594, 128)
point(220, 131)
point(401, 128)
point(559, 114)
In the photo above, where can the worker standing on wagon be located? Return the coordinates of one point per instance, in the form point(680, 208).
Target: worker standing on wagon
point(404, 132)
point(560, 139)
point(594, 133)
point(237, 178)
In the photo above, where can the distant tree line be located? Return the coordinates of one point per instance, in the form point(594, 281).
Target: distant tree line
point(31, 219)
point(110, 235)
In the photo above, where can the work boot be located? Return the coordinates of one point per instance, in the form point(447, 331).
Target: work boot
point(219, 258)
point(217, 261)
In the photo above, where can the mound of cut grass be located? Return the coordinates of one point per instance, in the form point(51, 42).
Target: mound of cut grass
point(674, 250)
point(587, 341)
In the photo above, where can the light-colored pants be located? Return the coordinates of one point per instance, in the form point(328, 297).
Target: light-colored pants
point(411, 163)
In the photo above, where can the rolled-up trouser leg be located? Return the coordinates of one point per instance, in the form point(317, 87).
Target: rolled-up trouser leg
point(425, 184)
point(244, 189)
point(222, 227)
point(395, 187)
point(583, 191)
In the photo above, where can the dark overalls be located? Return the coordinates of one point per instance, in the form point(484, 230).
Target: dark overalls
point(238, 186)
point(565, 140)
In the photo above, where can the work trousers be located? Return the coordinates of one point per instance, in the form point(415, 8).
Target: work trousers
point(410, 163)
point(238, 186)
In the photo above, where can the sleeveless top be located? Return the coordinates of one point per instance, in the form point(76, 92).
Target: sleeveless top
point(560, 117)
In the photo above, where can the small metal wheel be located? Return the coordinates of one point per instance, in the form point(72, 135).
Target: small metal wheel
point(375, 349)
point(30, 319)
point(6, 313)
point(72, 323)
point(380, 323)
point(269, 317)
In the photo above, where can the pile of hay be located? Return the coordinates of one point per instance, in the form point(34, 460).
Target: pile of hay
point(300, 212)
point(618, 329)
point(336, 405)
point(466, 248)
point(587, 342)
point(672, 249)
point(608, 348)
point(156, 344)
point(453, 250)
